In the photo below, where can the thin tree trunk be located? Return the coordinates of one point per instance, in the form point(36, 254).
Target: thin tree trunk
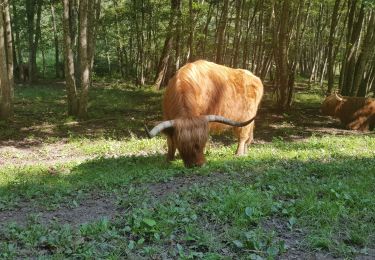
point(16, 44)
point(178, 37)
point(30, 12)
point(190, 53)
point(108, 55)
point(237, 32)
point(120, 56)
point(56, 40)
point(246, 42)
point(205, 30)
point(221, 32)
point(84, 62)
point(140, 42)
point(334, 21)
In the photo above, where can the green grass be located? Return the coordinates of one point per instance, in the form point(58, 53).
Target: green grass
point(318, 191)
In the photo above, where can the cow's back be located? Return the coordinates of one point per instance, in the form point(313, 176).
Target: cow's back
point(202, 88)
point(355, 107)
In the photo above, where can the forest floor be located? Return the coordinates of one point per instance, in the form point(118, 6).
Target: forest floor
point(99, 189)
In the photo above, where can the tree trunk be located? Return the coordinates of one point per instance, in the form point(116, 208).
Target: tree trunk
point(56, 41)
point(353, 37)
point(367, 83)
point(120, 47)
point(16, 43)
point(246, 42)
point(168, 43)
point(364, 54)
point(84, 61)
point(140, 42)
point(69, 60)
point(281, 56)
point(88, 15)
point(6, 62)
point(108, 55)
point(33, 7)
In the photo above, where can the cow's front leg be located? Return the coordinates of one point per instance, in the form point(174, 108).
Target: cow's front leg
point(171, 148)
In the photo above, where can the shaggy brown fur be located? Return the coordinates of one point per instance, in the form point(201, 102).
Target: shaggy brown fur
point(204, 88)
point(355, 113)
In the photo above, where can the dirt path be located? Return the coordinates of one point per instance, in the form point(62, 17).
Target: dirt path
point(96, 207)
point(36, 152)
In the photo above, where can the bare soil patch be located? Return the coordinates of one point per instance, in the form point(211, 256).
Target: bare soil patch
point(95, 207)
point(89, 210)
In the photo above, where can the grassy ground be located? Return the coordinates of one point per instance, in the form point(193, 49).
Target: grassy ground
point(99, 189)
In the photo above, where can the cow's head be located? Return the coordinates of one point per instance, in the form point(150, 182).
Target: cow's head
point(190, 135)
point(331, 104)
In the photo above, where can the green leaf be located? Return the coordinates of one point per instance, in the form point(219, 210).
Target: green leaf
point(273, 251)
point(149, 222)
point(131, 245)
point(141, 241)
point(255, 257)
point(238, 243)
point(249, 211)
point(292, 221)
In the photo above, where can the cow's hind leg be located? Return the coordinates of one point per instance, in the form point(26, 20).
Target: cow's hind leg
point(241, 147)
point(171, 148)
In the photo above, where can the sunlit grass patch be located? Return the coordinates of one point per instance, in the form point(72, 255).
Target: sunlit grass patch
point(128, 146)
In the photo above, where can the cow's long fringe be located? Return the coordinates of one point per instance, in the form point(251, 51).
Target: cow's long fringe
point(191, 135)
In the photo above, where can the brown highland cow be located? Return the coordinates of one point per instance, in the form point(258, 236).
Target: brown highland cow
point(355, 113)
point(205, 97)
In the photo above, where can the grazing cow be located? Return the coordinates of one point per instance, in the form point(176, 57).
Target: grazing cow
point(355, 113)
point(205, 97)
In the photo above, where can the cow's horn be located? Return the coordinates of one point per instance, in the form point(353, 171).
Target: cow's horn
point(338, 97)
point(160, 127)
point(223, 120)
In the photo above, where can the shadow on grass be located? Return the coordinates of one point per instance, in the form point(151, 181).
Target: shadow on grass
point(118, 111)
point(115, 112)
point(108, 174)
